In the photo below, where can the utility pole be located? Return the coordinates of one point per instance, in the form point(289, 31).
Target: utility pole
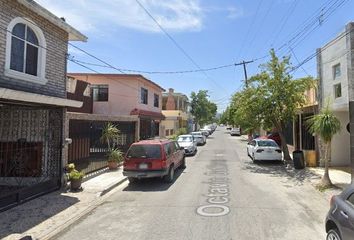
point(245, 70)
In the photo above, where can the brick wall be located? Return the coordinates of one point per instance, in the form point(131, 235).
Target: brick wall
point(56, 40)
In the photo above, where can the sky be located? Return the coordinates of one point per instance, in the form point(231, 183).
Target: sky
point(200, 34)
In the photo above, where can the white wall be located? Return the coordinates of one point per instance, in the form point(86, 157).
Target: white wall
point(332, 54)
point(341, 142)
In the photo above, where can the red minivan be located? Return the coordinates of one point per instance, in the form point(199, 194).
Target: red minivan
point(153, 158)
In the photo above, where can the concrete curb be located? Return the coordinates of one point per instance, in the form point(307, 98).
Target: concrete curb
point(53, 234)
point(109, 188)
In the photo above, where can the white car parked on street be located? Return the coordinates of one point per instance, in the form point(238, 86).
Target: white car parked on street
point(264, 149)
point(200, 138)
point(188, 143)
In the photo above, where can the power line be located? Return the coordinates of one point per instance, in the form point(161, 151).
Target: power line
point(249, 29)
point(285, 19)
point(175, 42)
point(311, 56)
point(262, 23)
point(162, 72)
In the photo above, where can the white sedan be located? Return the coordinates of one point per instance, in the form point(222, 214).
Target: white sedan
point(264, 149)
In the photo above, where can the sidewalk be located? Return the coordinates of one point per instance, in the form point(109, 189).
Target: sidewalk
point(46, 216)
point(339, 178)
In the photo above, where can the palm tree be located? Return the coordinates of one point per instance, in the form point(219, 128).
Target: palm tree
point(109, 133)
point(326, 125)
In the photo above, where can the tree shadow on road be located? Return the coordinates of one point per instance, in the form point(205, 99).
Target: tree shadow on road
point(278, 169)
point(152, 184)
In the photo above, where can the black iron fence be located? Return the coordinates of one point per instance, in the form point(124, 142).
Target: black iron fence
point(87, 151)
point(30, 152)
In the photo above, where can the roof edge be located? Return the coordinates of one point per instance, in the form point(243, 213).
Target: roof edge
point(74, 35)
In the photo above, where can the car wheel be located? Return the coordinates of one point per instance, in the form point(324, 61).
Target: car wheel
point(170, 176)
point(132, 180)
point(183, 164)
point(254, 158)
point(195, 151)
point(333, 234)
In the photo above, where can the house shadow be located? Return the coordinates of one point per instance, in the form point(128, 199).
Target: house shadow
point(23, 217)
point(278, 169)
point(152, 184)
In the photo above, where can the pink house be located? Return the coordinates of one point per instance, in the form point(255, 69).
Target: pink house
point(127, 95)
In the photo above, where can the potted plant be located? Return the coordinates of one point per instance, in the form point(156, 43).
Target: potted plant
point(75, 177)
point(115, 157)
point(110, 133)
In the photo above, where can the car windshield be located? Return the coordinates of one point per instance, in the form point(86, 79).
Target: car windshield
point(267, 144)
point(144, 151)
point(185, 139)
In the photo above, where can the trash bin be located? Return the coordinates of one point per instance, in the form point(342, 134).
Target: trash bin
point(298, 159)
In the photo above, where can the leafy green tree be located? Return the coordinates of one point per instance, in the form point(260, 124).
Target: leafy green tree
point(280, 95)
point(325, 125)
point(246, 110)
point(224, 116)
point(202, 109)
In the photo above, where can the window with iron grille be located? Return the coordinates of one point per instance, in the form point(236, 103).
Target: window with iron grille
point(144, 96)
point(156, 100)
point(100, 93)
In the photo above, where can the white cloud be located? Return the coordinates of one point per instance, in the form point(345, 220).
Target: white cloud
point(92, 15)
point(234, 12)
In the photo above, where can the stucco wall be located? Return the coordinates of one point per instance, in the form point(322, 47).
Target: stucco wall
point(340, 150)
point(56, 40)
point(123, 93)
point(335, 52)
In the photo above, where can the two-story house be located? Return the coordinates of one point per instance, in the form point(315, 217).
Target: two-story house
point(127, 96)
point(33, 51)
point(335, 64)
point(175, 108)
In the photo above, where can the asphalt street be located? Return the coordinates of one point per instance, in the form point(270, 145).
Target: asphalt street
point(220, 195)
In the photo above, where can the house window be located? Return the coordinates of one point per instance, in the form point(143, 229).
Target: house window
point(25, 51)
point(156, 100)
point(337, 90)
point(336, 71)
point(144, 96)
point(100, 93)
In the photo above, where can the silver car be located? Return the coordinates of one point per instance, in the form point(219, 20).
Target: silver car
point(200, 138)
point(188, 143)
point(340, 217)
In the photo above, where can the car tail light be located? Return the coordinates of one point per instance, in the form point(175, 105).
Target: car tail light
point(278, 150)
point(163, 164)
point(260, 150)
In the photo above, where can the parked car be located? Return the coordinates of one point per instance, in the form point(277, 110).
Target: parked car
point(264, 149)
point(276, 137)
point(228, 128)
point(235, 132)
point(340, 217)
point(200, 138)
point(205, 133)
point(188, 143)
point(207, 128)
point(153, 158)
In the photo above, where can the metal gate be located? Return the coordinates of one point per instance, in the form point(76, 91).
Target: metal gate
point(87, 151)
point(30, 152)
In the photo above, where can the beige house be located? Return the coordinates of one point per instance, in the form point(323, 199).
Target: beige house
point(175, 109)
